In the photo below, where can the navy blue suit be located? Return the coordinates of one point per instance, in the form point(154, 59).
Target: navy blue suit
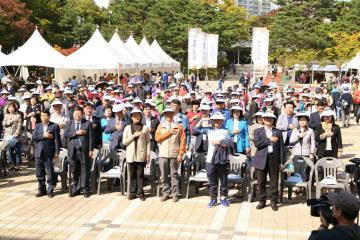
point(265, 162)
point(45, 149)
point(78, 153)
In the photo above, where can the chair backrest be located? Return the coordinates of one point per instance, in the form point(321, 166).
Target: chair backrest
point(104, 150)
point(63, 154)
point(121, 154)
point(237, 162)
point(329, 166)
point(192, 143)
point(309, 164)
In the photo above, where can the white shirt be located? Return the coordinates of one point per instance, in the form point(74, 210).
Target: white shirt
point(217, 135)
point(269, 134)
point(236, 124)
point(328, 144)
point(45, 128)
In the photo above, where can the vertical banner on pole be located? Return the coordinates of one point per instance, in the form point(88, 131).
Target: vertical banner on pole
point(212, 50)
point(194, 48)
point(260, 47)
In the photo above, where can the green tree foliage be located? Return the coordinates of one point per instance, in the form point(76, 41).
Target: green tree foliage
point(15, 26)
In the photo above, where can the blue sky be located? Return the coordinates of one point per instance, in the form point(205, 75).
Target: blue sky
point(102, 3)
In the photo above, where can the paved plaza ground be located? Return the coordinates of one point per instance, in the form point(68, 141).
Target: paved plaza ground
point(112, 216)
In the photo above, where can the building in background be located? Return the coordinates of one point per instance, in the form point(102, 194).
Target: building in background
point(257, 7)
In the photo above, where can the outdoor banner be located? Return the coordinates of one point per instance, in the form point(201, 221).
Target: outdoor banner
point(260, 47)
point(195, 47)
point(212, 50)
point(202, 49)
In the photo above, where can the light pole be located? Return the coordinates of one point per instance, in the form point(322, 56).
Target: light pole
point(110, 12)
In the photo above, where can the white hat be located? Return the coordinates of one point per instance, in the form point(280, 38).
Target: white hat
point(137, 100)
point(170, 110)
point(259, 114)
point(236, 108)
point(12, 98)
point(111, 83)
point(205, 107)
point(269, 99)
point(130, 85)
point(91, 88)
point(234, 100)
point(26, 97)
point(130, 98)
point(187, 96)
point(128, 105)
point(327, 113)
point(94, 92)
point(109, 88)
point(118, 108)
point(67, 91)
point(217, 116)
point(172, 85)
point(219, 100)
point(305, 95)
point(35, 92)
point(4, 91)
point(38, 82)
point(302, 114)
point(176, 88)
point(107, 97)
point(269, 115)
point(48, 88)
point(255, 96)
point(257, 86)
point(135, 110)
point(56, 102)
point(8, 80)
point(22, 89)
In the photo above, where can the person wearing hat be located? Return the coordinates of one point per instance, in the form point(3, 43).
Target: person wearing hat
point(47, 147)
point(270, 107)
point(346, 101)
point(303, 140)
point(217, 160)
point(171, 139)
point(269, 158)
point(239, 130)
point(3, 98)
point(137, 141)
point(328, 136)
point(258, 124)
point(69, 103)
point(130, 92)
point(220, 107)
point(315, 120)
point(152, 123)
point(58, 116)
point(253, 107)
point(159, 102)
point(176, 106)
point(79, 135)
point(287, 121)
point(74, 84)
point(33, 114)
point(48, 96)
point(207, 97)
point(99, 112)
point(345, 209)
point(140, 92)
point(201, 129)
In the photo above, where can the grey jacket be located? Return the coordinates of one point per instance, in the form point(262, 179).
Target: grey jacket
point(283, 126)
point(304, 146)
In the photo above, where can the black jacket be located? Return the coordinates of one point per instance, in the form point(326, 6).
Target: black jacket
point(336, 141)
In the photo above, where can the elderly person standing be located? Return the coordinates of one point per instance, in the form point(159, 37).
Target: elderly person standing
point(258, 124)
point(287, 122)
point(12, 130)
point(58, 116)
point(137, 141)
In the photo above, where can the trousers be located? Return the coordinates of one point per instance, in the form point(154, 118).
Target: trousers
point(273, 171)
point(44, 167)
point(136, 174)
point(216, 173)
point(80, 169)
point(169, 166)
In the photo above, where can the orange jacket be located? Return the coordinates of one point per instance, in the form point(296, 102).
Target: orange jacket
point(170, 145)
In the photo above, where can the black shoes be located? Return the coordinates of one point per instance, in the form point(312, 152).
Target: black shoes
point(51, 194)
point(40, 194)
point(86, 194)
point(274, 207)
point(261, 205)
point(73, 194)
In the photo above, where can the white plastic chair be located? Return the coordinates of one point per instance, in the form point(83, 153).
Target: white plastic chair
point(330, 167)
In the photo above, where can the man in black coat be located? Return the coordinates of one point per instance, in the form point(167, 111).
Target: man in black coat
point(269, 158)
point(47, 146)
point(315, 120)
point(152, 123)
point(80, 149)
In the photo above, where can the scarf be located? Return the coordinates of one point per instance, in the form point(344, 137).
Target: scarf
point(134, 128)
point(326, 126)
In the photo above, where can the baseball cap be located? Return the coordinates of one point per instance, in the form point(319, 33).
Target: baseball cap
point(347, 202)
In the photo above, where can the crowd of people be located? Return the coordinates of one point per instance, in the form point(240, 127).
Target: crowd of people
point(159, 113)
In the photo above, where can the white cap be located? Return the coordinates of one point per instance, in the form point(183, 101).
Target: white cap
point(259, 114)
point(67, 91)
point(8, 80)
point(56, 102)
point(128, 105)
point(136, 110)
point(4, 91)
point(302, 114)
point(219, 100)
point(12, 98)
point(327, 113)
point(269, 99)
point(137, 100)
point(170, 110)
point(269, 115)
point(187, 96)
point(172, 85)
point(217, 116)
point(22, 89)
point(35, 92)
point(111, 83)
point(48, 88)
point(38, 82)
point(238, 108)
point(205, 107)
point(234, 100)
point(118, 108)
point(107, 97)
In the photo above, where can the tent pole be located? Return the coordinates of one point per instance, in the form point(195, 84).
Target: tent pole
point(7, 70)
point(17, 71)
point(206, 77)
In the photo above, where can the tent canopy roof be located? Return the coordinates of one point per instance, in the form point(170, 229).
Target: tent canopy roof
point(353, 63)
point(35, 52)
point(156, 48)
point(145, 46)
point(97, 54)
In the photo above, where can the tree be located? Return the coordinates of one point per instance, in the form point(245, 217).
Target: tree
point(15, 26)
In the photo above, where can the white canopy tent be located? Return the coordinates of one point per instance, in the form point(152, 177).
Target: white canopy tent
point(156, 48)
point(145, 47)
point(121, 48)
point(352, 64)
point(139, 53)
point(34, 52)
point(95, 57)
